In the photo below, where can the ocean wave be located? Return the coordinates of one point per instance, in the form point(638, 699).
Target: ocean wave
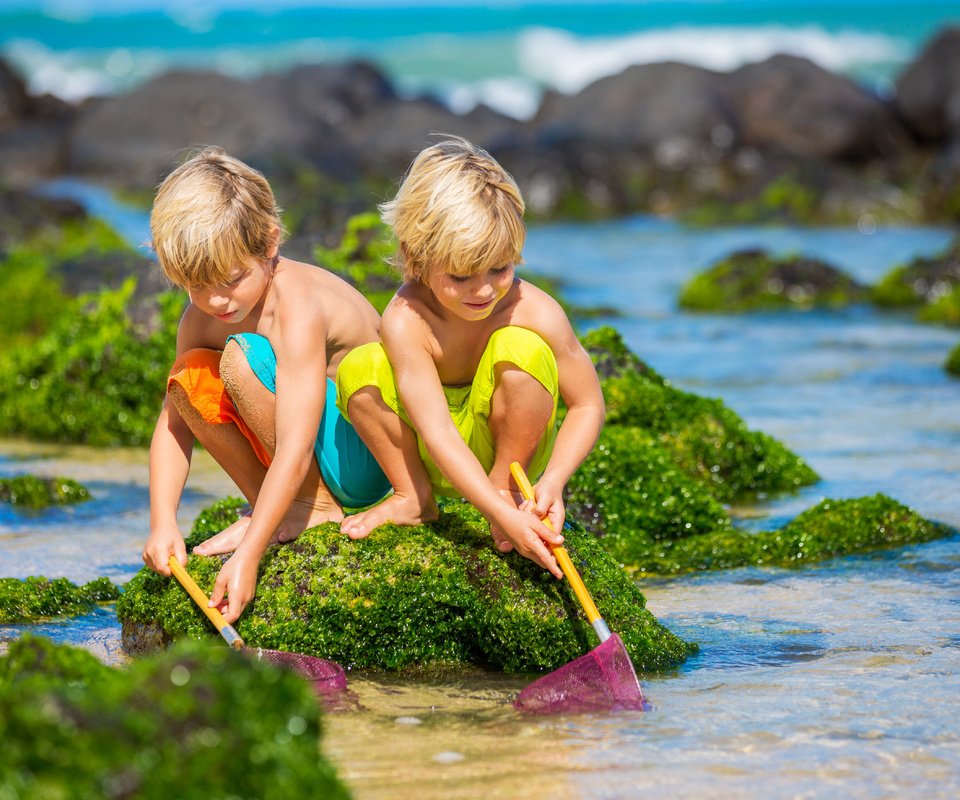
point(568, 63)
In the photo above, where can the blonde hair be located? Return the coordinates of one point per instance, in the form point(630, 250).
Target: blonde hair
point(457, 210)
point(210, 215)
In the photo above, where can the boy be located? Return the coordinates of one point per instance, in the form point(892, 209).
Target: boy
point(256, 348)
point(472, 362)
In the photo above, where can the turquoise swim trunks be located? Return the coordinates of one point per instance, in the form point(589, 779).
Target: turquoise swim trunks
point(346, 465)
point(469, 406)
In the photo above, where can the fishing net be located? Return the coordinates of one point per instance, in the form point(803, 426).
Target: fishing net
point(601, 680)
point(326, 678)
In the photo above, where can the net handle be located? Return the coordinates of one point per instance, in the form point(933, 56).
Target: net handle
point(227, 631)
point(563, 559)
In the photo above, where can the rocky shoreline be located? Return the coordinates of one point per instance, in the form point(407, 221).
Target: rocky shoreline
point(779, 140)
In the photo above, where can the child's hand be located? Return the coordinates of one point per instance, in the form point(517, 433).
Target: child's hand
point(549, 503)
point(235, 587)
point(163, 542)
point(525, 532)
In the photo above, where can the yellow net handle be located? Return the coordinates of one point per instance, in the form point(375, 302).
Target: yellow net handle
point(227, 631)
point(563, 559)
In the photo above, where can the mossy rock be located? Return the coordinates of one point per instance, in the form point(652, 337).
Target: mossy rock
point(704, 437)
point(945, 310)
point(198, 716)
point(831, 528)
point(751, 280)
point(38, 598)
point(410, 597)
point(953, 361)
point(922, 281)
point(97, 377)
point(34, 492)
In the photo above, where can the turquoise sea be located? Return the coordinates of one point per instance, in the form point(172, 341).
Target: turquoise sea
point(501, 53)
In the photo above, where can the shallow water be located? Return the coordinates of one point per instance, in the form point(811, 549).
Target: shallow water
point(839, 680)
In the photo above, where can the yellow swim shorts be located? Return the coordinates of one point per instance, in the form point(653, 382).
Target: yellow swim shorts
point(469, 406)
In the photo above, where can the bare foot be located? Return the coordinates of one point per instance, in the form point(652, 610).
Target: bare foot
point(301, 515)
point(227, 540)
point(397, 509)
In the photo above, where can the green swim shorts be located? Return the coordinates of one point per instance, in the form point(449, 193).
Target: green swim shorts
point(469, 406)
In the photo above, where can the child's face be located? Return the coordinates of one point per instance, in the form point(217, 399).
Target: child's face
point(471, 297)
point(233, 301)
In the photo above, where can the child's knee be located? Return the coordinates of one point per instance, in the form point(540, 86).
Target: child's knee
point(512, 385)
point(234, 367)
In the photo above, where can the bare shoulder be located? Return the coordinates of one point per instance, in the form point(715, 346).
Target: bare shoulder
point(538, 311)
point(406, 316)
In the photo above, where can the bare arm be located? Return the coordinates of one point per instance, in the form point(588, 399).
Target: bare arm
point(171, 449)
point(299, 342)
point(580, 390)
point(418, 384)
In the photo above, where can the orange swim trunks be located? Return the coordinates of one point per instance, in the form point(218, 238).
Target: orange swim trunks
point(197, 372)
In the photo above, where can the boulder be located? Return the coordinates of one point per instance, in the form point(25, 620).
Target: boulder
point(791, 105)
point(38, 598)
point(923, 280)
point(928, 91)
point(672, 111)
point(410, 598)
point(749, 280)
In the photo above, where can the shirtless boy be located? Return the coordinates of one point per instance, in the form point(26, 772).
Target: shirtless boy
point(257, 347)
point(472, 362)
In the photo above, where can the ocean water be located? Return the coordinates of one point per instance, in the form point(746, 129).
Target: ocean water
point(839, 680)
point(504, 54)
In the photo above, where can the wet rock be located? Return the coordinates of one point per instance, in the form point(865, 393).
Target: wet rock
point(928, 91)
point(413, 597)
point(35, 492)
point(923, 280)
point(789, 104)
point(749, 280)
point(195, 716)
point(37, 598)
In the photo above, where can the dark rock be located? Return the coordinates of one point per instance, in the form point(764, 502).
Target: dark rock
point(928, 91)
point(790, 104)
point(22, 214)
point(671, 110)
point(13, 96)
point(139, 135)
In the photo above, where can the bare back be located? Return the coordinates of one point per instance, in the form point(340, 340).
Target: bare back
point(299, 297)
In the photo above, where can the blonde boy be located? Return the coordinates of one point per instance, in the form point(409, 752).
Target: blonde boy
point(256, 349)
point(472, 363)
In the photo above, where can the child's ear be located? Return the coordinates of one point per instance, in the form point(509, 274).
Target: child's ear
point(274, 246)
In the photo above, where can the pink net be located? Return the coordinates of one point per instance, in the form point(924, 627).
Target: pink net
point(601, 680)
point(327, 678)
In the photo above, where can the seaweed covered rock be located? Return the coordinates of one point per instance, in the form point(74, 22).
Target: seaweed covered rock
point(96, 377)
point(704, 438)
point(197, 716)
point(34, 492)
point(750, 280)
point(829, 529)
point(920, 282)
point(406, 597)
point(38, 598)
point(953, 361)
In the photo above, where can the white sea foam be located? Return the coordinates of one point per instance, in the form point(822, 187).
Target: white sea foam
point(569, 63)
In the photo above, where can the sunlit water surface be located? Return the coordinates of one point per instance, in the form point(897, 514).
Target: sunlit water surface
point(840, 680)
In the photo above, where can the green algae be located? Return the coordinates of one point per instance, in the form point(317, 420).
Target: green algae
point(704, 437)
point(411, 597)
point(41, 598)
point(831, 528)
point(945, 310)
point(752, 280)
point(953, 361)
point(34, 492)
point(97, 377)
point(196, 720)
point(920, 281)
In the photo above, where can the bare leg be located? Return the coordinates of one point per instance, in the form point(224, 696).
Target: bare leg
point(394, 444)
point(520, 411)
point(314, 504)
